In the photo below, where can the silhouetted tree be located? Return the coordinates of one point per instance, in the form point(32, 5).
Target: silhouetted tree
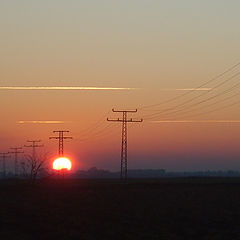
point(35, 165)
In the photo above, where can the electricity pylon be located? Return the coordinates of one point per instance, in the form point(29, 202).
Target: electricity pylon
point(124, 121)
point(60, 139)
point(16, 152)
point(34, 145)
point(4, 155)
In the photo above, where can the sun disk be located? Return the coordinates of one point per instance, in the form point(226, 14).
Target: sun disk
point(62, 163)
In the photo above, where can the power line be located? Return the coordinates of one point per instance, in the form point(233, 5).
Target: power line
point(34, 145)
point(209, 105)
point(4, 155)
point(189, 92)
point(102, 131)
point(98, 130)
point(96, 125)
point(194, 98)
point(16, 152)
point(107, 131)
point(234, 87)
point(215, 109)
point(124, 121)
point(60, 139)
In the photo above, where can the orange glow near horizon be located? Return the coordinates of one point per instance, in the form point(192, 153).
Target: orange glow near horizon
point(62, 163)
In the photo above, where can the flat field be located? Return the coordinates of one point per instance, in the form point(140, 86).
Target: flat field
point(186, 208)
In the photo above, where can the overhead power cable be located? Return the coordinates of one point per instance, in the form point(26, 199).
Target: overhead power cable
point(212, 110)
point(171, 110)
point(189, 92)
point(209, 105)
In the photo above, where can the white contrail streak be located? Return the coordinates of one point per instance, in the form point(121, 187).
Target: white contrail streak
point(186, 89)
point(62, 88)
point(196, 121)
point(93, 88)
point(40, 122)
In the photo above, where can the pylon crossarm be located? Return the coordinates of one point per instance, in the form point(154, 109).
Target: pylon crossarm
point(114, 120)
point(61, 131)
point(127, 120)
point(127, 111)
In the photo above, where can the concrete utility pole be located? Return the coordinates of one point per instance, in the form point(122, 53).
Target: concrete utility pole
point(16, 152)
point(124, 121)
point(4, 155)
point(34, 145)
point(60, 139)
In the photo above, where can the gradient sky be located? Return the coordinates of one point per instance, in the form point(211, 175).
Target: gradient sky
point(151, 46)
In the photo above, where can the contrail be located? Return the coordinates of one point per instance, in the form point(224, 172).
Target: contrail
point(41, 122)
point(93, 88)
point(63, 88)
point(186, 89)
point(196, 121)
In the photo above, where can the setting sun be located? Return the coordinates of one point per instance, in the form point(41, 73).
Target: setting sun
point(62, 163)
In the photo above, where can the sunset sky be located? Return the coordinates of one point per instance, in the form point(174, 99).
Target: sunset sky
point(64, 64)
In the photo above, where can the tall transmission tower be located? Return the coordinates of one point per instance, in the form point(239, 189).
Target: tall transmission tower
point(4, 155)
point(16, 152)
point(34, 145)
point(124, 121)
point(60, 139)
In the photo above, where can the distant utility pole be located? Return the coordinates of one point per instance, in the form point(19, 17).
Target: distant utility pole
point(4, 155)
point(124, 121)
point(60, 139)
point(16, 152)
point(34, 145)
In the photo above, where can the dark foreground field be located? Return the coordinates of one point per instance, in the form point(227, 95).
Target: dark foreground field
point(109, 209)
